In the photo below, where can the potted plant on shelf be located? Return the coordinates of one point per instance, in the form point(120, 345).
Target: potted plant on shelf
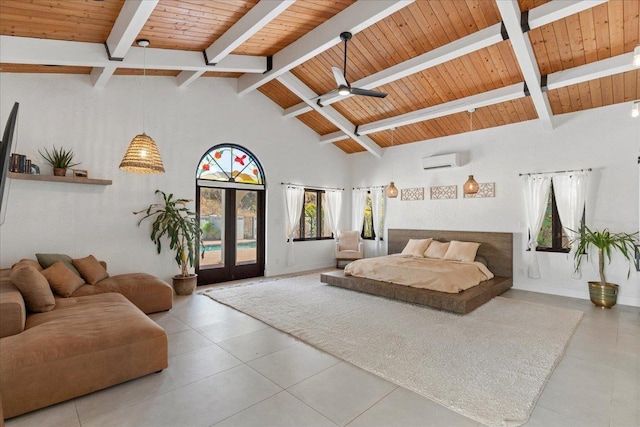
point(602, 293)
point(173, 220)
point(60, 160)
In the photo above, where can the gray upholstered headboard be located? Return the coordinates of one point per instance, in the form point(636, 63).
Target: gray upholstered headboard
point(497, 248)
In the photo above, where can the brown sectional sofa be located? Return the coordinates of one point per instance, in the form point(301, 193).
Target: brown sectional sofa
point(92, 340)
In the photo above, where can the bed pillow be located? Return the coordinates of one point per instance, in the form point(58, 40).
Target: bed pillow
point(462, 251)
point(34, 288)
point(415, 248)
point(90, 269)
point(62, 280)
point(437, 249)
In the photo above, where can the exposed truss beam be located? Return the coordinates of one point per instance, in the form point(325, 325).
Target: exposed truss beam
point(510, 11)
point(25, 50)
point(333, 137)
point(355, 18)
point(471, 43)
point(491, 97)
point(100, 75)
point(556, 10)
point(252, 22)
point(185, 78)
point(133, 15)
point(595, 70)
point(303, 91)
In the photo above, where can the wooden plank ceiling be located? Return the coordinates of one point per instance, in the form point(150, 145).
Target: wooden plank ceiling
point(590, 36)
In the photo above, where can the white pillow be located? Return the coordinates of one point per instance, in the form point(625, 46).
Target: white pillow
point(415, 248)
point(462, 251)
point(437, 249)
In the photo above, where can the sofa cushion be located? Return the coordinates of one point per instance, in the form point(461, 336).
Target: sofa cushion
point(14, 313)
point(32, 262)
point(61, 279)
point(34, 288)
point(90, 269)
point(85, 344)
point(47, 260)
point(147, 292)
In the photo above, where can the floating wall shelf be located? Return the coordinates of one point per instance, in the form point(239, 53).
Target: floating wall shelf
point(53, 178)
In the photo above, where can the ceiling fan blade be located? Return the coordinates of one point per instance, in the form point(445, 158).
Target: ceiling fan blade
point(366, 92)
point(340, 79)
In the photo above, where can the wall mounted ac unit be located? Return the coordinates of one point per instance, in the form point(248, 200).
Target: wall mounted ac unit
point(442, 161)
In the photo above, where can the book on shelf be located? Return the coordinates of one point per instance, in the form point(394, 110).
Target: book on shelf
point(19, 163)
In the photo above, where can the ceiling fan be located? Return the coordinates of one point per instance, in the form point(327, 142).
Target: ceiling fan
point(344, 88)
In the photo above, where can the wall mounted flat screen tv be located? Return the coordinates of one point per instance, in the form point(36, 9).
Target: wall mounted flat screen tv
point(5, 155)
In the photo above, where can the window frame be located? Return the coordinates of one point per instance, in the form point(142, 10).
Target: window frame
point(556, 228)
point(318, 219)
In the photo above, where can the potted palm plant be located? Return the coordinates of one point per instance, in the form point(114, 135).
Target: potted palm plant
point(174, 221)
point(59, 159)
point(602, 293)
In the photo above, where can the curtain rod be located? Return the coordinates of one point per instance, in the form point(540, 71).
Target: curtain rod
point(311, 187)
point(368, 187)
point(548, 173)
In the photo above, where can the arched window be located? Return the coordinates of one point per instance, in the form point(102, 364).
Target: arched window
point(230, 163)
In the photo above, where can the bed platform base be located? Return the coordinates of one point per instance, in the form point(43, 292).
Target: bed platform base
point(461, 303)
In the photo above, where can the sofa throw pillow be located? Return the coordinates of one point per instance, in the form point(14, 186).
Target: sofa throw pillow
point(62, 280)
point(90, 269)
point(31, 262)
point(436, 249)
point(462, 251)
point(415, 248)
point(34, 288)
point(47, 260)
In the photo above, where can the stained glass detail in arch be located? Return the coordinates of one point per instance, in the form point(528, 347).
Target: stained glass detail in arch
point(229, 163)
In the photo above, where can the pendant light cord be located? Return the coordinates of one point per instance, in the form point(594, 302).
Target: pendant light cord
point(144, 89)
point(392, 131)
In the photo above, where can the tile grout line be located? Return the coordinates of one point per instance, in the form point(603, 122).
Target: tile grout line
point(373, 404)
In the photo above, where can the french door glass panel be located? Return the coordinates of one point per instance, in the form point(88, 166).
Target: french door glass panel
point(246, 227)
point(212, 226)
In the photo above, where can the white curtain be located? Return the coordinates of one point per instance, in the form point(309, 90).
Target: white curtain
point(294, 199)
point(377, 215)
point(334, 208)
point(570, 192)
point(536, 198)
point(359, 201)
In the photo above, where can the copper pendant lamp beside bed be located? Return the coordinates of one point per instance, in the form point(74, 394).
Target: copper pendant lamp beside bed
point(391, 191)
point(471, 186)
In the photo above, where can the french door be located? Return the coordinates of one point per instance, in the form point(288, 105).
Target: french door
point(232, 232)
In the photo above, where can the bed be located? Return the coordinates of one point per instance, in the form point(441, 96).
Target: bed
point(496, 248)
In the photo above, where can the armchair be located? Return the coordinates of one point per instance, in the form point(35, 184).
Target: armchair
point(349, 247)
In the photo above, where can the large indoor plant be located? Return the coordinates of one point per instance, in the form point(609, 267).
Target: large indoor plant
point(179, 225)
point(602, 293)
point(59, 159)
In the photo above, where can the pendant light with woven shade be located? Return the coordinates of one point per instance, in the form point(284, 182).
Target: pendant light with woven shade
point(471, 186)
point(391, 191)
point(142, 156)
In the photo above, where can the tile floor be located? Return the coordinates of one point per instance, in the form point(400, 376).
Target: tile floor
point(228, 369)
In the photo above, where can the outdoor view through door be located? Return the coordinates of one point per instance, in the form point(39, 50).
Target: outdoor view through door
point(230, 191)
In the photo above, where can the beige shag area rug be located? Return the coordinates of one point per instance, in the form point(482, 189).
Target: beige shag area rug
point(490, 365)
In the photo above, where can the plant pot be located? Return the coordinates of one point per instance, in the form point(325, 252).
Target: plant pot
point(59, 171)
point(185, 285)
point(604, 296)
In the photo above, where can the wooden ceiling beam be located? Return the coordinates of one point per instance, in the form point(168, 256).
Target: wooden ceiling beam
point(301, 90)
point(333, 136)
point(355, 18)
point(556, 10)
point(503, 94)
point(252, 22)
point(26, 50)
point(133, 15)
point(185, 78)
point(471, 43)
point(511, 17)
point(595, 70)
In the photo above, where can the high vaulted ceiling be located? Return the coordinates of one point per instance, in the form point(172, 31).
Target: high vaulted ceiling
point(511, 60)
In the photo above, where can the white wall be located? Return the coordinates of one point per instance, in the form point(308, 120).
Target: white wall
point(605, 139)
point(98, 124)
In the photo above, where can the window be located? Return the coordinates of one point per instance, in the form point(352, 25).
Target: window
point(368, 228)
point(552, 237)
point(313, 222)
